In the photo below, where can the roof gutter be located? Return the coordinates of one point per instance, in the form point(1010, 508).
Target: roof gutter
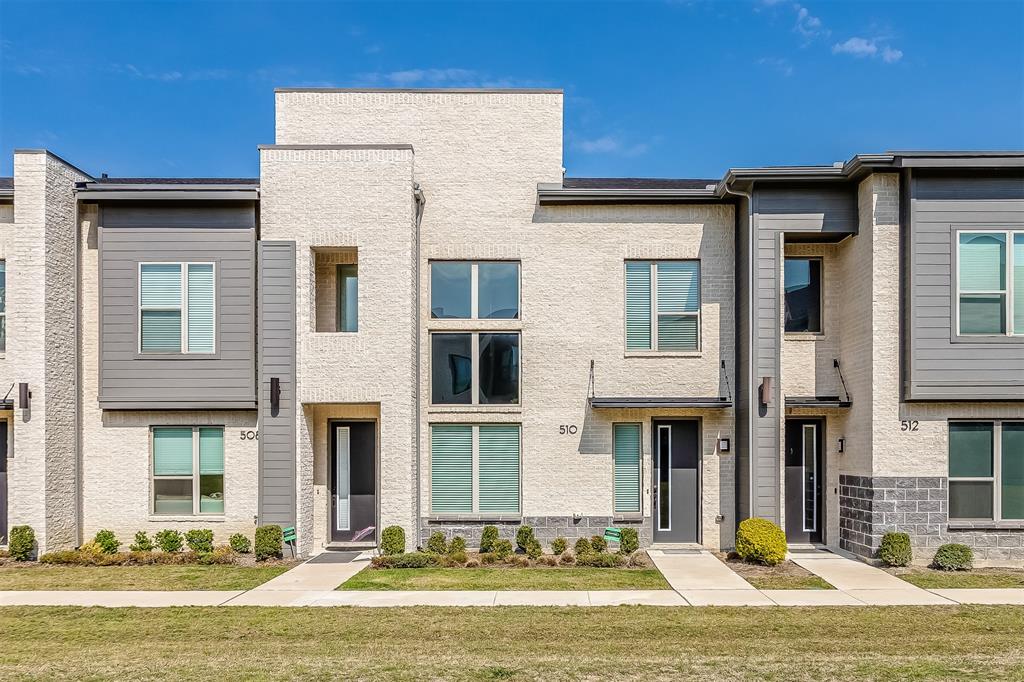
point(553, 195)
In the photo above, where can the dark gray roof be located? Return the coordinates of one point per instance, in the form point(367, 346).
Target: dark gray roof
point(177, 181)
point(636, 183)
point(6, 183)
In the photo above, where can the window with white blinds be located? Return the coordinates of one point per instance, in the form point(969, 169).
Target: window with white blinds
point(177, 308)
point(663, 305)
point(188, 470)
point(474, 469)
point(990, 283)
point(627, 449)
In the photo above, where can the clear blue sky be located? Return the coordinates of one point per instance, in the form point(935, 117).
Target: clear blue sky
point(669, 89)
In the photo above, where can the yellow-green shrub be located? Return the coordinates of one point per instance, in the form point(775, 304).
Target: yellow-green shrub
point(761, 541)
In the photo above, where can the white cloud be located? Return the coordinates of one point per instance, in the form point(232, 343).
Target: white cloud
point(449, 78)
point(808, 25)
point(868, 47)
point(610, 144)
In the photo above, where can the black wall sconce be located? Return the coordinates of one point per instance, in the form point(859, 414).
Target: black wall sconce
point(842, 445)
point(723, 445)
point(24, 397)
point(275, 394)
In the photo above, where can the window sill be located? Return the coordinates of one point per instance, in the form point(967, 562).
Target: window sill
point(987, 338)
point(662, 354)
point(628, 516)
point(804, 336)
point(475, 409)
point(986, 525)
point(189, 519)
point(330, 334)
point(448, 518)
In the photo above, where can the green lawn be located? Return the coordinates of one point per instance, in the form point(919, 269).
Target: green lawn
point(789, 582)
point(979, 577)
point(156, 577)
point(519, 643)
point(506, 579)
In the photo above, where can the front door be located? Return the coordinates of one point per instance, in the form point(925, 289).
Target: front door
point(676, 453)
point(804, 480)
point(353, 482)
point(3, 481)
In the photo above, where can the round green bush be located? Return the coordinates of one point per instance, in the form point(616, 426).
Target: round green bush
point(142, 543)
point(599, 543)
point(458, 544)
point(503, 549)
point(953, 557)
point(107, 541)
point(559, 545)
point(582, 547)
point(269, 542)
point(895, 549)
point(523, 537)
point(392, 541)
point(199, 540)
point(761, 541)
point(240, 543)
point(169, 540)
point(629, 541)
point(437, 544)
point(488, 538)
point(533, 549)
point(21, 543)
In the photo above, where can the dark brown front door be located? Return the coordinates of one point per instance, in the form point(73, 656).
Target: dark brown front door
point(805, 480)
point(353, 481)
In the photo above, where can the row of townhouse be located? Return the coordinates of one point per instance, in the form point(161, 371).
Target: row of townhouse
point(413, 318)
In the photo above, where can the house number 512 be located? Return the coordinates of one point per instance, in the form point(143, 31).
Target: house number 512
point(569, 429)
point(908, 425)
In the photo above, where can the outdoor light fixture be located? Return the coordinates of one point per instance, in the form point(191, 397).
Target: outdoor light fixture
point(275, 394)
point(24, 396)
point(723, 445)
point(842, 445)
point(764, 392)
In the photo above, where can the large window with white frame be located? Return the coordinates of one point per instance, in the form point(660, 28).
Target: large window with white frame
point(474, 469)
point(663, 305)
point(478, 290)
point(177, 307)
point(986, 470)
point(188, 470)
point(474, 368)
point(990, 283)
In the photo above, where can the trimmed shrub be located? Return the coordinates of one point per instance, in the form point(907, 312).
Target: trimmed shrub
point(240, 543)
point(107, 541)
point(488, 558)
point(404, 560)
point(601, 560)
point(533, 549)
point(558, 546)
point(458, 558)
point(629, 541)
point(760, 541)
point(953, 557)
point(458, 544)
point(523, 536)
point(582, 547)
point(519, 561)
point(549, 560)
point(437, 544)
point(639, 560)
point(488, 538)
point(599, 543)
point(142, 543)
point(895, 549)
point(200, 540)
point(169, 540)
point(392, 541)
point(21, 543)
point(567, 558)
point(503, 549)
point(220, 555)
point(269, 541)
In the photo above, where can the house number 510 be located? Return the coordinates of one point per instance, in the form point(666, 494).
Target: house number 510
point(569, 429)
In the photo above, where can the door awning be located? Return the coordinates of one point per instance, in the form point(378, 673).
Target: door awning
point(816, 401)
point(619, 403)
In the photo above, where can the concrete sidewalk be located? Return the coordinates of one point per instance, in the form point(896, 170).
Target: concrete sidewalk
point(702, 580)
point(865, 583)
point(314, 576)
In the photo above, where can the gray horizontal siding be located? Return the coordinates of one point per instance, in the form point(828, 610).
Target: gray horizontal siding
point(940, 365)
point(277, 359)
point(807, 209)
point(129, 379)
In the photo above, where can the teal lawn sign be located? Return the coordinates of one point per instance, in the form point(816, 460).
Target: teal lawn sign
point(288, 535)
point(612, 535)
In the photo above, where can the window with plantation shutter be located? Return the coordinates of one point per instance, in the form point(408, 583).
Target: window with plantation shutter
point(475, 469)
point(499, 468)
point(663, 305)
point(177, 308)
point(451, 469)
point(626, 445)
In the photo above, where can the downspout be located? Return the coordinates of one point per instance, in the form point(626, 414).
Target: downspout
point(421, 202)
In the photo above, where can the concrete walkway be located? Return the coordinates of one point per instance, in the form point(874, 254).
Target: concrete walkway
point(865, 583)
point(315, 576)
point(702, 580)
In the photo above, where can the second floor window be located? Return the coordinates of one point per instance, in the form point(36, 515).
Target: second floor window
point(486, 290)
point(474, 369)
point(177, 309)
point(990, 283)
point(802, 284)
point(663, 305)
point(348, 298)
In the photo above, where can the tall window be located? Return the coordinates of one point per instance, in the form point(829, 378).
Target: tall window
point(474, 368)
point(3, 306)
point(474, 469)
point(486, 290)
point(348, 298)
point(990, 283)
point(177, 309)
point(627, 448)
point(663, 305)
point(986, 470)
point(188, 470)
point(802, 284)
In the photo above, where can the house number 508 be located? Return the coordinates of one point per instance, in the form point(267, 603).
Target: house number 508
point(249, 435)
point(569, 429)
